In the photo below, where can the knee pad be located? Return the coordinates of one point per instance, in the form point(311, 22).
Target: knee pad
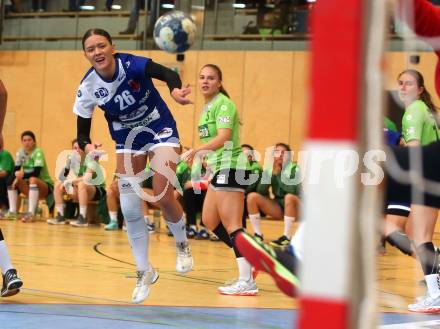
point(130, 201)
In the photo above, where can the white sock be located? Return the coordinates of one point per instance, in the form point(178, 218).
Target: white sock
point(5, 261)
point(33, 198)
point(60, 209)
point(288, 224)
point(432, 282)
point(12, 197)
point(83, 210)
point(244, 269)
point(178, 229)
point(147, 220)
point(297, 241)
point(113, 216)
point(255, 222)
point(136, 228)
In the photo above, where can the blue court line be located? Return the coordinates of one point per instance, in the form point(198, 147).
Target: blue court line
point(55, 316)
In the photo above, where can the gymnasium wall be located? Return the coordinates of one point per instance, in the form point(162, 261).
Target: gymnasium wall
point(269, 89)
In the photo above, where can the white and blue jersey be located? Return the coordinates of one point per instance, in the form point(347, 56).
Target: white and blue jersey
point(137, 116)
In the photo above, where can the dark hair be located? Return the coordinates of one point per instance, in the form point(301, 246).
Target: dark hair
point(425, 96)
point(287, 147)
point(74, 141)
point(220, 77)
point(95, 31)
point(247, 146)
point(28, 133)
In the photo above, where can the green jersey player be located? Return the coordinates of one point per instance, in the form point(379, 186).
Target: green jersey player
point(223, 206)
point(31, 176)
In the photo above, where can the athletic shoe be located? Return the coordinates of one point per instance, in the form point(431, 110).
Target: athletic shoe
point(11, 215)
point(280, 242)
point(280, 264)
point(259, 237)
point(80, 222)
point(239, 287)
point(142, 289)
point(59, 220)
point(151, 228)
point(214, 237)
point(425, 304)
point(11, 283)
point(184, 261)
point(28, 217)
point(202, 235)
point(112, 226)
point(191, 233)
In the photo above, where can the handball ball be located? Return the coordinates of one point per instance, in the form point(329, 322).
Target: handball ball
point(174, 32)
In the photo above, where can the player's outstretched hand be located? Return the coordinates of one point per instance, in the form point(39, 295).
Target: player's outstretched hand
point(179, 95)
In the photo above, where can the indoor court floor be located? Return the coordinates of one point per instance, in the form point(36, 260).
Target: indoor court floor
point(83, 278)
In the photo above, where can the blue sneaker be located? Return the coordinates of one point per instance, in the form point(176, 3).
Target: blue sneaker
point(151, 228)
point(191, 233)
point(202, 235)
point(112, 226)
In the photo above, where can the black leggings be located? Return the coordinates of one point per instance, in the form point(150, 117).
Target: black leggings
point(4, 192)
point(192, 204)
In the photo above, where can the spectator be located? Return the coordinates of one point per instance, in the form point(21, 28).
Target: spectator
point(31, 177)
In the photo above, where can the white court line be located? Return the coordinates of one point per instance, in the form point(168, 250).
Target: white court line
point(414, 325)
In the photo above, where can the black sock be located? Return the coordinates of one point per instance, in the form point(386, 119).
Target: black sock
point(232, 236)
point(428, 258)
point(1, 235)
point(401, 241)
point(223, 235)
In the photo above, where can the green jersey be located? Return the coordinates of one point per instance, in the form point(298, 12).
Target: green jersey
point(6, 162)
point(79, 167)
point(280, 182)
point(148, 183)
point(255, 168)
point(183, 173)
point(418, 123)
point(220, 113)
point(74, 163)
point(97, 176)
point(33, 160)
point(390, 125)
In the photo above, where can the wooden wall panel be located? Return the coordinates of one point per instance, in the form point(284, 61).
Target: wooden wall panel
point(396, 62)
point(267, 90)
point(62, 74)
point(23, 75)
point(300, 98)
